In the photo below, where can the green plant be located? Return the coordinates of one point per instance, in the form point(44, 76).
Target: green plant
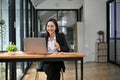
point(2, 67)
point(2, 22)
point(100, 32)
point(12, 48)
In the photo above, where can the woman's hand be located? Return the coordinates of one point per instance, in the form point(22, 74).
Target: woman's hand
point(57, 46)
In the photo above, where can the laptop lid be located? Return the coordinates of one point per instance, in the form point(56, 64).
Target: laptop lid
point(35, 46)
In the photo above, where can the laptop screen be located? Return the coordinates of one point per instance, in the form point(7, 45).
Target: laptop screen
point(35, 46)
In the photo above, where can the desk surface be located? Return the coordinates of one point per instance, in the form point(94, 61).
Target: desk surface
point(20, 55)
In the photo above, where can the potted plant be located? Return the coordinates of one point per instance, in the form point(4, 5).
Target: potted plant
point(2, 22)
point(101, 36)
point(72, 46)
point(12, 48)
point(100, 32)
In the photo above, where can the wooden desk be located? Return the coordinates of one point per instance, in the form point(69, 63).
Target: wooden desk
point(20, 57)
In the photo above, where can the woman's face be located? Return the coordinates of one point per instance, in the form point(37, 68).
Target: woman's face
point(51, 27)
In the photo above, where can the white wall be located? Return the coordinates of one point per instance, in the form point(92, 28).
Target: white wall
point(80, 33)
point(94, 20)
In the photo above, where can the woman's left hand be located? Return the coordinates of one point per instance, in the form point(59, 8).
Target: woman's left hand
point(57, 46)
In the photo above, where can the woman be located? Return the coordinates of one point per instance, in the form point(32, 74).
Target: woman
point(55, 43)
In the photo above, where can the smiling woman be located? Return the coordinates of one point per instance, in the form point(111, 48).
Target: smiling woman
point(55, 42)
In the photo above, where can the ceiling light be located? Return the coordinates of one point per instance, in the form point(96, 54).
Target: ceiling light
point(69, 0)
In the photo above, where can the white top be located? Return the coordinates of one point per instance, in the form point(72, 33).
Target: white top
point(50, 45)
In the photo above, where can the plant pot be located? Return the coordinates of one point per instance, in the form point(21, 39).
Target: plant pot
point(12, 53)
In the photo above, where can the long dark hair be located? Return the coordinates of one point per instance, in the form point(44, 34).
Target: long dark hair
point(56, 25)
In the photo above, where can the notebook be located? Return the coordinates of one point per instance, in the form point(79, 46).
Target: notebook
point(35, 46)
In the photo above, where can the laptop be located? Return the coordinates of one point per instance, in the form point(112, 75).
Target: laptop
point(35, 46)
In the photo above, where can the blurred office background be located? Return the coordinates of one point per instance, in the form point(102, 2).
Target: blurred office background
point(79, 20)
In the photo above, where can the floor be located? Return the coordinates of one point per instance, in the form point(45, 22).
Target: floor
point(92, 71)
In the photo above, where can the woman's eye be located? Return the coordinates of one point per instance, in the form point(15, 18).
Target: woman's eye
point(50, 26)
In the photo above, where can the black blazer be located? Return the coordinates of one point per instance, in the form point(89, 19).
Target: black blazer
point(60, 38)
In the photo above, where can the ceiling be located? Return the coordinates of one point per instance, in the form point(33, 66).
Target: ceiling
point(65, 18)
point(57, 4)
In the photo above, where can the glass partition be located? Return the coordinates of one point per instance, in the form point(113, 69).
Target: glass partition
point(4, 37)
point(114, 32)
point(118, 32)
